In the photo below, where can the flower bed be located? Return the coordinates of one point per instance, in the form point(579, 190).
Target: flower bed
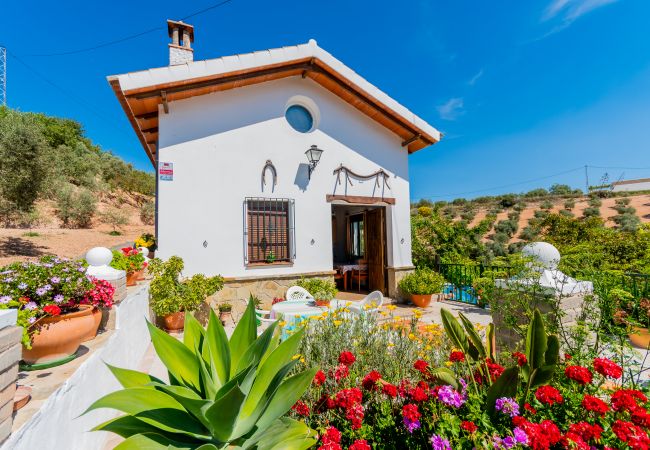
point(383, 387)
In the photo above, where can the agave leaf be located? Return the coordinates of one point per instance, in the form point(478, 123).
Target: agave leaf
point(244, 335)
point(504, 386)
point(536, 341)
point(490, 341)
point(552, 350)
point(275, 342)
point(192, 403)
point(152, 441)
point(219, 350)
point(126, 426)
point(542, 376)
point(154, 407)
point(285, 397)
point(131, 378)
point(284, 433)
point(222, 415)
point(209, 388)
point(454, 330)
point(445, 375)
point(181, 362)
point(474, 338)
point(257, 349)
point(193, 334)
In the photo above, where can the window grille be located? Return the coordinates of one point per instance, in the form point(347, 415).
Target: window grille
point(269, 230)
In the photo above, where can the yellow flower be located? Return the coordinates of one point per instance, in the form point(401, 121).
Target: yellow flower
point(391, 307)
point(282, 323)
point(337, 323)
point(428, 347)
point(302, 360)
point(417, 313)
point(296, 356)
point(297, 316)
point(390, 344)
point(449, 363)
point(411, 336)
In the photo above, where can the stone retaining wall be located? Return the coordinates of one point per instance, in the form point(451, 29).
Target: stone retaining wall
point(10, 354)
point(395, 275)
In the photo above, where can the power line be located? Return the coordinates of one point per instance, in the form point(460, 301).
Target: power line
point(509, 185)
point(126, 38)
point(3, 76)
point(620, 168)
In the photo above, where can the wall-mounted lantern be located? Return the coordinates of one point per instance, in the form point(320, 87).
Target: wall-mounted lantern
point(313, 156)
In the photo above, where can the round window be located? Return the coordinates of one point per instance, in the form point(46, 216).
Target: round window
point(300, 118)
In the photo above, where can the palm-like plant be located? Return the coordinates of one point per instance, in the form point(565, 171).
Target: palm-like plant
point(221, 393)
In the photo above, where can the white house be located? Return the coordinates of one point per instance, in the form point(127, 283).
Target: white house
point(240, 191)
point(641, 184)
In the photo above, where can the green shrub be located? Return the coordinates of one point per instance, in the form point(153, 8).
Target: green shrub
point(627, 222)
point(115, 218)
point(222, 393)
point(508, 227)
point(170, 294)
point(425, 211)
point(592, 211)
point(319, 288)
point(422, 282)
point(507, 201)
point(541, 214)
point(595, 202)
point(529, 233)
point(75, 208)
point(566, 213)
point(148, 213)
point(569, 204)
point(546, 205)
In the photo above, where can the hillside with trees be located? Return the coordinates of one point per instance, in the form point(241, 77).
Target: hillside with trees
point(53, 177)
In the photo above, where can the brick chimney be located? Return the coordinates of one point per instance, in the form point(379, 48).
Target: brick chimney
point(180, 49)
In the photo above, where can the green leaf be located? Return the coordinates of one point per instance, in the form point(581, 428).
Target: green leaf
point(180, 361)
point(283, 434)
point(542, 376)
point(131, 378)
point(445, 375)
point(244, 335)
point(257, 349)
point(552, 354)
point(193, 333)
point(490, 341)
point(126, 426)
point(155, 408)
point(473, 337)
point(219, 350)
point(536, 341)
point(505, 386)
point(152, 441)
point(454, 330)
point(286, 396)
point(192, 403)
point(223, 413)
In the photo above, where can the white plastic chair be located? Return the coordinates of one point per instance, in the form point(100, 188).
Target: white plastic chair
point(369, 305)
point(298, 294)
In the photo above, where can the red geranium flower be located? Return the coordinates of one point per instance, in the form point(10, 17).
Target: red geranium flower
point(331, 439)
point(341, 372)
point(578, 373)
point(573, 441)
point(355, 415)
point(520, 357)
point(548, 395)
point(359, 444)
point(632, 435)
point(411, 412)
point(495, 369)
point(390, 390)
point(456, 356)
point(347, 398)
point(594, 404)
point(52, 310)
point(347, 358)
point(470, 427)
point(541, 436)
point(586, 431)
point(627, 399)
point(530, 409)
point(419, 395)
point(301, 408)
point(641, 418)
point(369, 382)
point(421, 366)
point(607, 368)
point(319, 378)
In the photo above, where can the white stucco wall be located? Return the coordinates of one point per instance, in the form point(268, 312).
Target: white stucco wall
point(640, 186)
point(219, 143)
point(59, 424)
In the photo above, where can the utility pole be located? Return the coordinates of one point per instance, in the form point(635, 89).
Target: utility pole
point(586, 180)
point(3, 76)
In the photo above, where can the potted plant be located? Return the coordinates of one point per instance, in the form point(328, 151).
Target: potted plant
point(225, 312)
point(270, 258)
point(131, 261)
point(148, 241)
point(172, 296)
point(421, 285)
point(635, 317)
point(322, 290)
point(101, 299)
point(48, 295)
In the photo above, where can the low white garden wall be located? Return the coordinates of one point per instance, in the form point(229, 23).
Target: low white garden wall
point(57, 424)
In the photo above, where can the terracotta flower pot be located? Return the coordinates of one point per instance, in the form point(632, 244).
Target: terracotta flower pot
point(225, 316)
point(97, 317)
point(131, 278)
point(174, 322)
point(152, 254)
point(59, 337)
point(139, 275)
point(640, 337)
point(421, 300)
point(322, 302)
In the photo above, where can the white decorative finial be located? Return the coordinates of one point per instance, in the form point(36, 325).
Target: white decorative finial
point(144, 251)
point(544, 253)
point(313, 43)
point(98, 259)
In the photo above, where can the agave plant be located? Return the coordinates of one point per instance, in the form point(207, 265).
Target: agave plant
point(221, 393)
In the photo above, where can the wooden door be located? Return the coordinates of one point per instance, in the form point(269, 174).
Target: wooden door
point(376, 249)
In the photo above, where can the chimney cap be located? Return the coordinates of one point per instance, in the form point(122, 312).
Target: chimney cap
point(171, 24)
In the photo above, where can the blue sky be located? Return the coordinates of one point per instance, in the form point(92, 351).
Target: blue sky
point(523, 91)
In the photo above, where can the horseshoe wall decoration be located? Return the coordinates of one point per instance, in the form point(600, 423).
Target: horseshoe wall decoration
point(269, 166)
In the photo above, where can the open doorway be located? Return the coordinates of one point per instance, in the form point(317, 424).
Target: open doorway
point(359, 247)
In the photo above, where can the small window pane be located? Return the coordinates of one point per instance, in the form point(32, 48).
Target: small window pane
point(299, 118)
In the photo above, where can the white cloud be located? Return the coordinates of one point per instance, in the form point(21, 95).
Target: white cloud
point(475, 78)
point(570, 10)
point(451, 109)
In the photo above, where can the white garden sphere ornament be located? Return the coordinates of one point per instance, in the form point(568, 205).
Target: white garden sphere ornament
point(144, 251)
point(99, 256)
point(543, 252)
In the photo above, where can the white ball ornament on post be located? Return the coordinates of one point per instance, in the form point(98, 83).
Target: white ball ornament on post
point(99, 259)
point(144, 251)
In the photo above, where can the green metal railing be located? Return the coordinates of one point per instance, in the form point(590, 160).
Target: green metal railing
point(461, 279)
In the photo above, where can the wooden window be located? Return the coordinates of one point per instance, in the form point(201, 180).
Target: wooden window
point(268, 230)
point(357, 243)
